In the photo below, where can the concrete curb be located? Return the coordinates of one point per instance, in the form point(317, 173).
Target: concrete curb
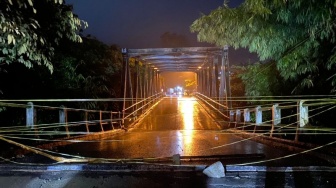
point(136, 167)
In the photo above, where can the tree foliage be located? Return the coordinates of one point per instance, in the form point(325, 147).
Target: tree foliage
point(299, 35)
point(190, 84)
point(260, 79)
point(30, 30)
point(90, 69)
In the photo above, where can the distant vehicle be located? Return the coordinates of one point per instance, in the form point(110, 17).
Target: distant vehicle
point(170, 91)
point(175, 91)
point(179, 90)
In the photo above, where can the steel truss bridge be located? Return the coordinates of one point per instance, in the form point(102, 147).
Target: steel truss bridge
point(210, 120)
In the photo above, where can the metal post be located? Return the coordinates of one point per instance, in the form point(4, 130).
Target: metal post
point(216, 80)
point(162, 82)
point(222, 87)
point(111, 118)
point(213, 79)
point(150, 80)
point(202, 80)
point(228, 73)
point(297, 122)
point(86, 122)
point(125, 71)
point(130, 86)
point(155, 82)
point(145, 82)
point(209, 80)
point(141, 85)
point(217, 77)
point(120, 121)
point(137, 82)
point(205, 85)
point(101, 120)
point(151, 84)
point(226, 70)
point(199, 83)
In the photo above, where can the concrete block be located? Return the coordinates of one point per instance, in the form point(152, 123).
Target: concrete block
point(276, 114)
point(247, 116)
point(258, 114)
point(216, 170)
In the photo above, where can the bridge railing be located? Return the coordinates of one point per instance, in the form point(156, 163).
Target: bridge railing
point(25, 120)
point(141, 106)
point(56, 122)
point(297, 121)
point(215, 105)
point(288, 119)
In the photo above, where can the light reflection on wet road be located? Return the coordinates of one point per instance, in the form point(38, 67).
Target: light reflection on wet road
point(179, 126)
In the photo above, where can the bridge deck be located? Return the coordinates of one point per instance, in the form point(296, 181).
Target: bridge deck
point(182, 126)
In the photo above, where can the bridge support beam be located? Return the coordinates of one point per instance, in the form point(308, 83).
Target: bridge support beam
point(150, 86)
point(154, 81)
point(145, 82)
point(137, 84)
point(225, 78)
point(211, 78)
point(203, 80)
point(158, 81)
point(224, 87)
point(207, 81)
point(199, 83)
point(125, 83)
point(149, 82)
point(213, 85)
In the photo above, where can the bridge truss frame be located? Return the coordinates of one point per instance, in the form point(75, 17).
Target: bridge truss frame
point(211, 65)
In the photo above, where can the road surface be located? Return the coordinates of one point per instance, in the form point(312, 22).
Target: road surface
point(180, 125)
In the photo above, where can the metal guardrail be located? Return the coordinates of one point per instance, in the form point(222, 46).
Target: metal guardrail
point(213, 104)
point(241, 118)
point(66, 118)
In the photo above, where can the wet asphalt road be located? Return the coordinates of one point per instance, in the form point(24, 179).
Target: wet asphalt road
point(182, 126)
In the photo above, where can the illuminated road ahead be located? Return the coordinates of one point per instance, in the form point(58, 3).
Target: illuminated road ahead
point(182, 126)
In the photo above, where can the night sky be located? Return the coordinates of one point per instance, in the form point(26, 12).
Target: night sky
point(142, 23)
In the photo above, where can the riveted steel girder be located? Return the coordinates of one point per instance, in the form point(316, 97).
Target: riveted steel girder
point(175, 59)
